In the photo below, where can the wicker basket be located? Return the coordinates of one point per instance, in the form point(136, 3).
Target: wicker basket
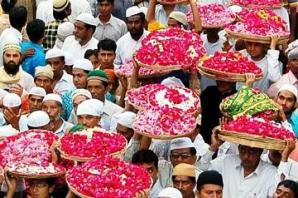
point(34, 176)
point(252, 140)
point(162, 137)
point(164, 2)
point(256, 38)
point(159, 67)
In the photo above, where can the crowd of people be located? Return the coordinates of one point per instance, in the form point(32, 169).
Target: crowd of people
point(57, 62)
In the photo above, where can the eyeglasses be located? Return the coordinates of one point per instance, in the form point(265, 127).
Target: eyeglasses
point(182, 155)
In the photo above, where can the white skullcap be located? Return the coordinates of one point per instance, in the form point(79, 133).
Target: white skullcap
point(68, 59)
point(170, 192)
point(64, 30)
point(54, 53)
point(292, 46)
point(126, 119)
point(38, 119)
point(179, 16)
point(172, 82)
point(37, 91)
point(60, 5)
point(290, 88)
point(90, 107)
point(83, 64)
point(87, 19)
point(144, 10)
point(180, 143)
point(235, 8)
point(12, 100)
point(133, 11)
point(293, 54)
point(81, 92)
point(53, 97)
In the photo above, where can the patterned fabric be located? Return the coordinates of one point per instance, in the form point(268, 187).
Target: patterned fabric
point(51, 33)
point(67, 104)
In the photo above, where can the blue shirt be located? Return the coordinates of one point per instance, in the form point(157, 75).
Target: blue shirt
point(293, 120)
point(38, 59)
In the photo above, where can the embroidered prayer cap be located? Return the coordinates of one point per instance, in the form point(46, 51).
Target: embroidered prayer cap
point(38, 119)
point(46, 71)
point(184, 169)
point(133, 11)
point(290, 88)
point(91, 107)
point(178, 16)
point(12, 100)
point(98, 74)
point(37, 91)
point(83, 92)
point(170, 192)
point(83, 64)
point(126, 119)
point(54, 53)
point(52, 97)
point(11, 46)
point(87, 19)
point(60, 5)
point(210, 177)
point(179, 143)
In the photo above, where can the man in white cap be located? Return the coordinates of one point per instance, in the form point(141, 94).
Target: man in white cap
point(170, 192)
point(131, 41)
point(80, 70)
point(83, 39)
point(65, 30)
point(44, 78)
point(62, 82)
point(38, 120)
point(108, 26)
point(61, 10)
point(89, 113)
point(52, 105)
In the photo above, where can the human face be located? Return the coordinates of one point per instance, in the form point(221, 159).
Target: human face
point(135, 25)
point(11, 61)
point(97, 89)
point(287, 100)
point(173, 23)
point(35, 102)
point(81, 32)
point(44, 82)
point(184, 185)
point(57, 65)
point(152, 171)
point(126, 132)
point(210, 191)
point(183, 155)
point(94, 60)
point(79, 78)
point(249, 157)
point(53, 109)
point(39, 189)
point(283, 192)
point(88, 121)
point(105, 8)
point(78, 100)
point(106, 59)
point(255, 50)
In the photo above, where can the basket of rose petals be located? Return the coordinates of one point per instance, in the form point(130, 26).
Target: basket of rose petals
point(28, 154)
point(164, 123)
point(213, 15)
point(108, 177)
point(259, 25)
point(170, 2)
point(170, 49)
point(91, 143)
point(158, 96)
point(229, 66)
point(260, 3)
point(255, 132)
point(126, 70)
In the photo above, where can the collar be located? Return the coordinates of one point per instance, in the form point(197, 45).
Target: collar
point(257, 171)
point(111, 20)
point(64, 77)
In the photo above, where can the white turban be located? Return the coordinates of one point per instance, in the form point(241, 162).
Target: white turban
point(53, 97)
point(12, 100)
point(37, 91)
point(290, 88)
point(38, 119)
point(91, 107)
point(180, 143)
point(126, 119)
point(170, 192)
point(83, 64)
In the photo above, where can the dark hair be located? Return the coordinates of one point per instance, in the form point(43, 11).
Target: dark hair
point(142, 15)
point(18, 17)
point(291, 185)
point(193, 151)
point(60, 15)
point(192, 179)
point(107, 44)
point(35, 30)
point(8, 5)
point(110, 1)
point(145, 156)
point(89, 53)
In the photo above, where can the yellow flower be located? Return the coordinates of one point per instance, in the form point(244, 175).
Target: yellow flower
point(155, 25)
point(263, 14)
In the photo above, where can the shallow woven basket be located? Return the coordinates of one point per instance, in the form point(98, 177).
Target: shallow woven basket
point(40, 176)
point(282, 3)
point(162, 137)
point(252, 140)
point(174, 2)
point(256, 38)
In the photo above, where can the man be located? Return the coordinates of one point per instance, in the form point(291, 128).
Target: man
point(120, 7)
point(44, 78)
point(83, 39)
point(38, 120)
point(62, 82)
point(52, 105)
point(286, 188)
point(149, 161)
point(108, 26)
point(89, 113)
point(210, 185)
point(97, 84)
point(106, 53)
point(131, 41)
point(80, 70)
point(184, 179)
point(12, 75)
point(61, 10)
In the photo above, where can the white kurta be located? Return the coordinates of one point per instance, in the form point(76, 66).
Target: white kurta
point(64, 85)
point(44, 11)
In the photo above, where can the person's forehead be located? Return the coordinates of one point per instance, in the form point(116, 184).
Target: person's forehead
point(211, 187)
point(42, 78)
point(51, 103)
point(286, 94)
point(11, 52)
point(79, 99)
point(134, 18)
point(101, 51)
point(181, 178)
point(181, 150)
point(32, 96)
point(95, 82)
point(79, 24)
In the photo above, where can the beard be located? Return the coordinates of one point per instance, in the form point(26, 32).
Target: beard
point(11, 67)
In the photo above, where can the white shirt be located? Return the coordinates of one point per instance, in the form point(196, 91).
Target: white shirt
point(113, 29)
point(72, 46)
point(109, 109)
point(155, 190)
point(63, 128)
point(65, 84)
point(44, 11)
point(126, 46)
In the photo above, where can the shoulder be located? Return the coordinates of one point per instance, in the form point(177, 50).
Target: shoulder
point(123, 39)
